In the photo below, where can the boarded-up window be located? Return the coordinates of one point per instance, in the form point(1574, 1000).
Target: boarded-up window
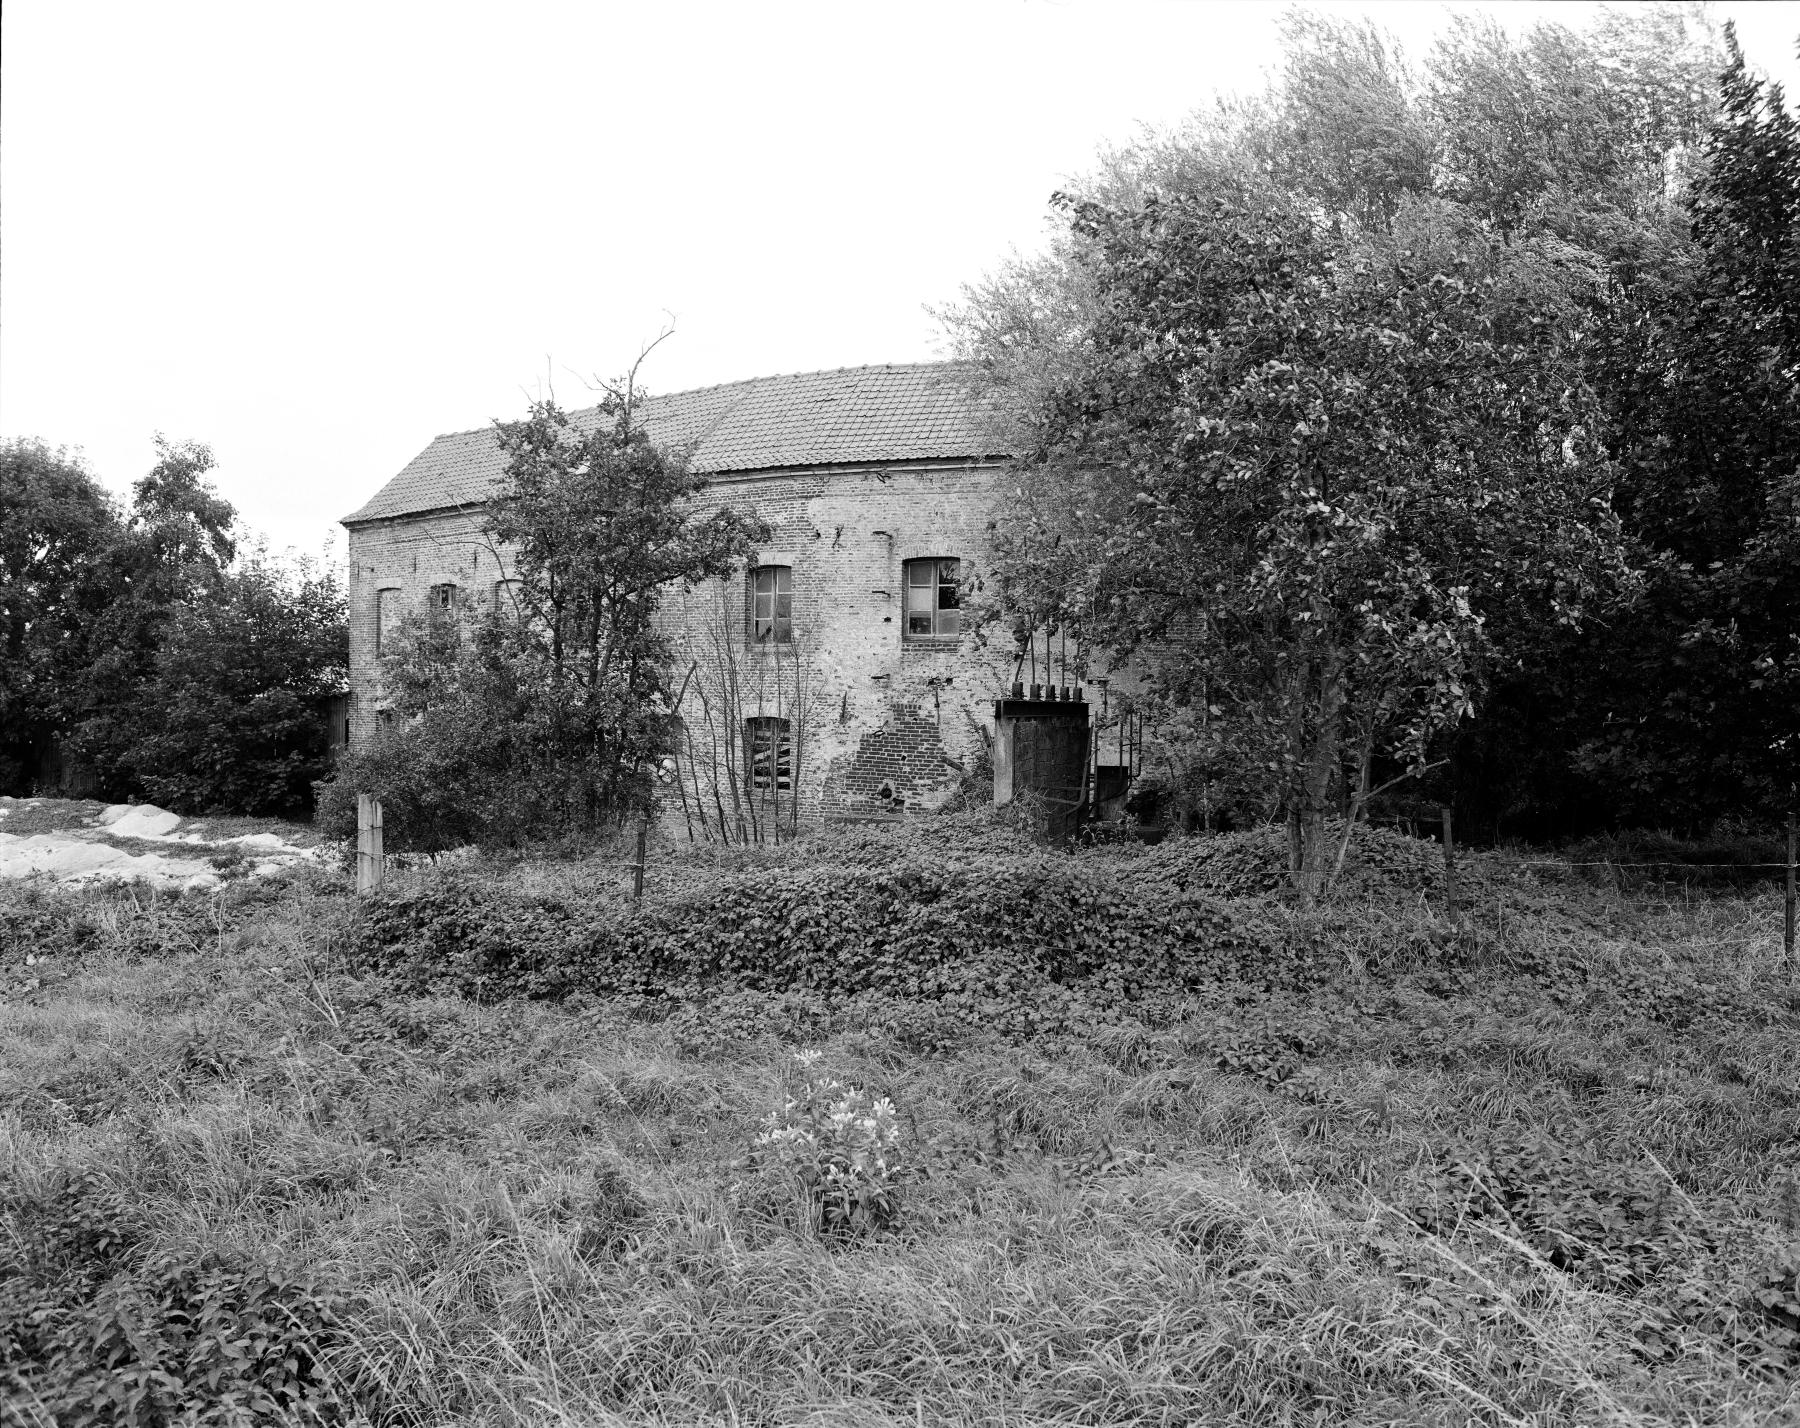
point(507, 600)
point(933, 604)
point(387, 620)
point(769, 753)
point(772, 605)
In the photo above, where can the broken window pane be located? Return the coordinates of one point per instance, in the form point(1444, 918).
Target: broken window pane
point(771, 605)
point(932, 599)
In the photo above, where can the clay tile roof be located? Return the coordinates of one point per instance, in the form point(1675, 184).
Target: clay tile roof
point(854, 414)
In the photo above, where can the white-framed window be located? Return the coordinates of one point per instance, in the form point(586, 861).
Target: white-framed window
point(769, 753)
point(387, 619)
point(933, 599)
point(772, 605)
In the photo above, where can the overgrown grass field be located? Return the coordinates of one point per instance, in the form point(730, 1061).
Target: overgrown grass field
point(1156, 1148)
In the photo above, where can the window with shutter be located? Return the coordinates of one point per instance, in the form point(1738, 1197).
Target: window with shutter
point(769, 753)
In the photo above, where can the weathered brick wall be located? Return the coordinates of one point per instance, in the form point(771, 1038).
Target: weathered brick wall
point(880, 719)
point(410, 555)
point(886, 715)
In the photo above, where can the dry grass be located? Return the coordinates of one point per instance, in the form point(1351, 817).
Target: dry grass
point(540, 1214)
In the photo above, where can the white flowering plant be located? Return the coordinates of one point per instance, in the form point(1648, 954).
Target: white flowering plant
point(843, 1146)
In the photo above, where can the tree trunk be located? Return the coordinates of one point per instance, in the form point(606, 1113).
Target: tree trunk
point(1314, 856)
point(1356, 805)
point(1319, 771)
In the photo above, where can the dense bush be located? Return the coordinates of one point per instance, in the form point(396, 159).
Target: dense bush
point(37, 923)
point(451, 781)
point(233, 708)
point(1624, 1228)
point(995, 936)
point(1616, 1226)
point(1254, 864)
point(1731, 855)
point(96, 1331)
point(983, 828)
point(141, 645)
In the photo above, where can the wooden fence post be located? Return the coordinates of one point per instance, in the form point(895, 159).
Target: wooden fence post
point(637, 868)
point(1450, 870)
point(371, 866)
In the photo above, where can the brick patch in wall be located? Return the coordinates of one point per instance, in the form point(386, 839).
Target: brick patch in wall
point(898, 766)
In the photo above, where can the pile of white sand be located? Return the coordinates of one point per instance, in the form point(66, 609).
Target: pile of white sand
point(80, 855)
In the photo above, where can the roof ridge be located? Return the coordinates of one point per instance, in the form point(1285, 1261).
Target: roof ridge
point(815, 372)
point(878, 411)
point(746, 382)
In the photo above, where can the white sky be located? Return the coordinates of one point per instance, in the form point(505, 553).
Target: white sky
point(316, 235)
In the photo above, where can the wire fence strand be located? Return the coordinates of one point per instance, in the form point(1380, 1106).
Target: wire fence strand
point(1609, 863)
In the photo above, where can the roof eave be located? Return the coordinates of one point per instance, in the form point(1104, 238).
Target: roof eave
point(356, 518)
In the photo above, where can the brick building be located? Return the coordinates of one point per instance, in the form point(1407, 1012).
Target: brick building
point(828, 678)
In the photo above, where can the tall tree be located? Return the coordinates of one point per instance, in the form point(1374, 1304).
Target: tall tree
point(232, 713)
point(1348, 126)
point(140, 645)
point(1645, 207)
point(1315, 479)
point(172, 552)
point(56, 525)
point(1579, 133)
point(1693, 706)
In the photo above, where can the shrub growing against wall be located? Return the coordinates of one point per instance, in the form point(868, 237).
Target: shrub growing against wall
point(540, 720)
